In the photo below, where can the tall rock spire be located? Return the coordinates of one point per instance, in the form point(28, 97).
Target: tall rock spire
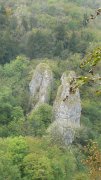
point(41, 85)
point(66, 109)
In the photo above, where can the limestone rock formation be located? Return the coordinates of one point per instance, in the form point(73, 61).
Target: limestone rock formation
point(66, 109)
point(41, 85)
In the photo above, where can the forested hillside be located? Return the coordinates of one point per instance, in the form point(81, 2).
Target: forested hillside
point(41, 29)
point(59, 33)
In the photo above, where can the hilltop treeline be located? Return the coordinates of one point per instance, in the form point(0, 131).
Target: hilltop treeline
point(46, 28)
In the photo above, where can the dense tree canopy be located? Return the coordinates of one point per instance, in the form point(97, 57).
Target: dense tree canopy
point(66, 34)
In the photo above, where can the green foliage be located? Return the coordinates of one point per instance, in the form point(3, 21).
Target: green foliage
point(31, 158)
point(59, 31)
point(18, 149)
point(7, 169)
point(5, 106)
point(93, 58)
point(39, 44)
point(46, 29)
point(37, 167)
point(48, 161)
point(13, 93)
point(12, 152)
point(93, 160)
point(40, 118)
point(92, 110)
point(81, 176)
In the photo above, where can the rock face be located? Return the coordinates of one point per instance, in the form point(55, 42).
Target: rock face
point(67, 105)
point(66, 109)
point(41, 85)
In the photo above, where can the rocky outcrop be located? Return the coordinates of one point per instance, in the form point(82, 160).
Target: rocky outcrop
point(66, 109)
point(67, 105)
point(41, 85)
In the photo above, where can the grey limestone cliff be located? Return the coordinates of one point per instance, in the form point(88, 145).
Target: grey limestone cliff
point(66, 109)
point(41, 85)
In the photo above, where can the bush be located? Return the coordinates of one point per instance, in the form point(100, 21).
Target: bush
point(40, 118)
